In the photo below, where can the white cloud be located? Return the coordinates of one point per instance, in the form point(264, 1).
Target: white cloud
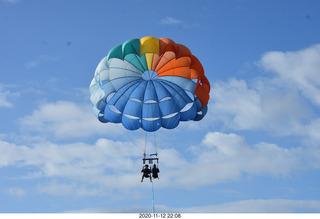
point(223, 157)
point(40, 60)
point(243, 206)
point(4, 100)
point(6, 96)
point(107, 165)
point(259, 206)
point(283, 105)
point(170, 21)
point(63, 160)
point(56, 188)
point(312, 130)
point(262, 206)
point(260, 106)
point(86, 169)
point(299, 69)
point(16, 191)
point(11, 1)
point(65, 119)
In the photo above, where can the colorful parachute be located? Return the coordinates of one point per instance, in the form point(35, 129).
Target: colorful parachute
point(149, 83)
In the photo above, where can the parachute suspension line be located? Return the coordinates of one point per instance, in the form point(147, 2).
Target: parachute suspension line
point(156, 143)
point(126, 135)
point(152, 198)
point(144, 137)
point(142, 148)
point(145, 143)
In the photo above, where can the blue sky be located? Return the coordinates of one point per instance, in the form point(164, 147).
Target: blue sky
point(257, 150)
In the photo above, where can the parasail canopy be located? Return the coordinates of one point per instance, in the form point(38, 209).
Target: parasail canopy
point(149, 83)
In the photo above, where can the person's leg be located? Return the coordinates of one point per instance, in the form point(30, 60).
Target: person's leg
point(142, 178)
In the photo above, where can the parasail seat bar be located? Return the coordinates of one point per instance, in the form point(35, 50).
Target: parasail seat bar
point(150, 159)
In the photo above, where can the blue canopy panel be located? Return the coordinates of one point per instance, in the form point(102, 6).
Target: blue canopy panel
point(170, 121)
point(107, 87)
point(130, 122)
point(151, 125)
point(189, 86)
point(177, 93)
point(189, 112)
point(120, 82)
point(99, 115)
point(133, 108)
point(184, 101)
point(150, 92)
point(200, 112)
point(131, 118)
point(118, 102)
point(150, 110)
point(122, 95)
point(160, 90)
point(132, 112)
point(112, 114)
point(185, 83)
point(167, 106)
point(151, 120)
point(101, 104)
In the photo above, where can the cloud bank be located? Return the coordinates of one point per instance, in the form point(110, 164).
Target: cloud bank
point(245, 206)
point(284, 104)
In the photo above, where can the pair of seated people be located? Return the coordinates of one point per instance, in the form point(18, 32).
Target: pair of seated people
point(147, 172)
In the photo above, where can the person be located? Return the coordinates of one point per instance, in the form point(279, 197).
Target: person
point(155, 171)
point(146, 173)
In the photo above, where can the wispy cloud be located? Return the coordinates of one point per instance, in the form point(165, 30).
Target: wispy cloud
point(4, 102)
point(11, 1)
point(65, 119)
point(40, 60)
point(258, 106)
point(242, 206)
point(6, 95)
point(86, 169)
point(170, 21)
point(299, 69)
point(17, 191)
point(107, 165)
point(229, 156)
point(284, 104)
